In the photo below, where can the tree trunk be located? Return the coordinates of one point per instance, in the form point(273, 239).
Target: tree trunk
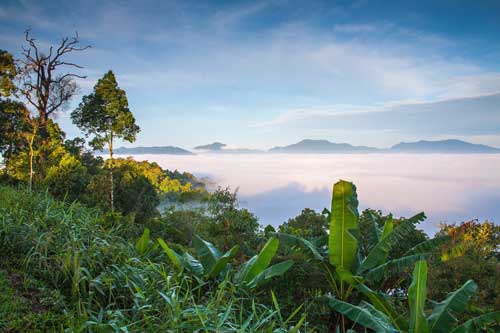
point(44, 142)
point(111, 188)
point(31, 159)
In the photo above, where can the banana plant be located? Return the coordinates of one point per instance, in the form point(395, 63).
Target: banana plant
point(441, 319)
point(342, 262)
point(210, 262)
point(341, 257)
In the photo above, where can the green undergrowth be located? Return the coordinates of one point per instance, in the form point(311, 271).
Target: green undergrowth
point(80, 271)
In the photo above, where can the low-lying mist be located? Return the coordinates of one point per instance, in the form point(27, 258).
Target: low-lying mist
point(449, 188)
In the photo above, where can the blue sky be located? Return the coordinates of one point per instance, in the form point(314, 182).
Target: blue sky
point(258, 74)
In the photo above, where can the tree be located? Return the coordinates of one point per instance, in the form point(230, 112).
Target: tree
point(228, 224)
point(18, 130)
point(473, 254)
point(45, 85)
point(8, 72)
point(104, 114)
point(134, 193)
point(308, 224)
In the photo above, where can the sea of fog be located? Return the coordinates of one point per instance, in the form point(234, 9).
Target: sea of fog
point(448, 188)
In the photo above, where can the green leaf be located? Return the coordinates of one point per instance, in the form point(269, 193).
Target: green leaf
point(270, 272)
point(428, 245)
point(292, 240)
point(381, 304)
point(222, 262)
point(388, 227)
point(443, 318)
point(378, 254)
point(392, 267)
point(142, 244)
point(475, 324)
point(206, 252)
point(416, 298)
point(175, 258)
point(262, 260)
point(342, 242)
point(192, 265)
point(362, 316)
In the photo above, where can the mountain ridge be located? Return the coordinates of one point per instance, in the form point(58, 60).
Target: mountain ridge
point(311, 146)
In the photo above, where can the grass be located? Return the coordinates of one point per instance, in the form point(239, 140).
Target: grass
point(27, 305)
point(71, 269)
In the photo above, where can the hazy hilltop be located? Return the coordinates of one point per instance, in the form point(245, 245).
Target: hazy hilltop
point(211, 146)
point(169, 150)
point(443, 146)
point(321, 147)
point(221, 148)
point(451, 146)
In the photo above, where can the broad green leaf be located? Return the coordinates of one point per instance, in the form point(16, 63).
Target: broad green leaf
point(443, 318)
point(362, 316)
point(172, 255)
point(262, 260)
point(142, 244)
point(477, 323)
point(342, 242)
point(392, 267)
point(380, 303)
point(428, 245)
point(388, 227)
point(206, 252)
point(222, 262)
point(416, 298)
point(270, 272)
point(292, 240)
point(192, 265)
point(244, 269)
point(378, 254)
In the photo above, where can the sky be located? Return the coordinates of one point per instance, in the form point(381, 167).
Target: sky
point(260, 74)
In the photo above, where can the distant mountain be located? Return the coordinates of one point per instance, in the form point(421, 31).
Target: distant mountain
point(442, 147)
point(220, 148)
point(151, 150)
point(212, 146)
point(322, 147)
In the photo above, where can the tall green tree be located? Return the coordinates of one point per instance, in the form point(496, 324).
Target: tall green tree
point(105, 115)
point(8, 72)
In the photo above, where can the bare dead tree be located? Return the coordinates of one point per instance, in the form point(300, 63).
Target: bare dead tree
point(47, 82)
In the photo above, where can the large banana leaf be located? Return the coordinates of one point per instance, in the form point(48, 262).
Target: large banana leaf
point(428, 245)
point(380, 302)
point(443, 318)
point(342, 242)
point(175, 258)
point(378, 254)
point(416, 298)
point(388, 227)
point(363, 316)
point(258, 263)
point(392, 267)
point(206, 252)
point(475, 324)
point(269, 273)
point(222, 262)
point(292, 240)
